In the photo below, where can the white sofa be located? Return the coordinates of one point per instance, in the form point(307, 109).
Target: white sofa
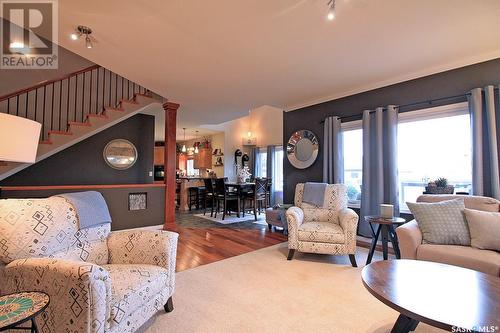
point(97, 280)
point(411, 246)
point(328, 230)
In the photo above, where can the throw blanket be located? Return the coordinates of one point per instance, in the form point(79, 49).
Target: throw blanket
point(90, 206)
point(314, 193)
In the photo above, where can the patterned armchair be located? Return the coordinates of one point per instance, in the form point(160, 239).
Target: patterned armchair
point(328, 230)
point(97, 280)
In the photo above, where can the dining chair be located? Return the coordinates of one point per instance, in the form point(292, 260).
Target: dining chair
point(209, 196)
point(257, 196)
point(268, 192)
point(224, 195)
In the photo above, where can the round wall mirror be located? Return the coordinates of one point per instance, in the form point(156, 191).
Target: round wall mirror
point(120, 154)
point(302, 149)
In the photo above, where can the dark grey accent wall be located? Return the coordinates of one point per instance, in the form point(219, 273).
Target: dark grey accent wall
point(83, 163)
point(117, 200)
point(450, 83)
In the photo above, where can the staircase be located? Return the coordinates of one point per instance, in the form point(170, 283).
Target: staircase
point(75, 107)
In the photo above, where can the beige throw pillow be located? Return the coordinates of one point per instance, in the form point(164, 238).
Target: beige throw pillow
point(442, 222)
point(484, 229)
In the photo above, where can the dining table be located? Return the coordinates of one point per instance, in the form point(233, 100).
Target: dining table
point(239, 188)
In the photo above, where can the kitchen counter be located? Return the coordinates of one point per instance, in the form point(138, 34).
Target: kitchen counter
point(184, 183)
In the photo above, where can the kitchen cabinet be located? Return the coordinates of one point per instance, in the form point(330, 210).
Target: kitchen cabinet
point(159, 155)
point(203, 160)
point(181, 161)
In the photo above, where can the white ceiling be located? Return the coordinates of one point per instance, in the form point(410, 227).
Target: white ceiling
point(221, 58)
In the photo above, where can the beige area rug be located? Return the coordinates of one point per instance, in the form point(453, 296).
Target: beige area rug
point(263, 292)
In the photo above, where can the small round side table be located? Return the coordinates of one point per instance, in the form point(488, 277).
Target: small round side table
point(17, 308)
point(386, 228)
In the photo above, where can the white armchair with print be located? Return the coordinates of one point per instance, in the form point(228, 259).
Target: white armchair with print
point(330, 229)
point(97, 280)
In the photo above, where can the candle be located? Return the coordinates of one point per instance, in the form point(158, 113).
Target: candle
point(387, 211)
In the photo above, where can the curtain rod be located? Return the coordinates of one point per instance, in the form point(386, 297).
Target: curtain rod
point(429, 101)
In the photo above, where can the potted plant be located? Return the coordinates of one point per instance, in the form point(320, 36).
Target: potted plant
point(439, 186)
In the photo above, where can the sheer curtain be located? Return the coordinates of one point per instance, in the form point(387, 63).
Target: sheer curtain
point(275, 172)
point(485, 150)
point(277, 175)
point(380, 171)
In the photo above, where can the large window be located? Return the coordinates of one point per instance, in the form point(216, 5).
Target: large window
point(278, 170)
point(261, 163)
point(353, 160)
point(433, 143)
point(191, 171)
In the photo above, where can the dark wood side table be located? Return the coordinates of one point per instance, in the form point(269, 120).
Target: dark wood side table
point(17, 308)
point(386, 227)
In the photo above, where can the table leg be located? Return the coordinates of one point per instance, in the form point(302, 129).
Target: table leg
point(374, 244)
point(385, 250)
point(34, 328)
point(395, 242)
point(404, 324)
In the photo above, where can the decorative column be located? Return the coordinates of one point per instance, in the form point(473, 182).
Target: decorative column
point(170, 156)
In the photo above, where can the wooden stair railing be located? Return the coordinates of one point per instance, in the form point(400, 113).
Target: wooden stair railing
point(71, 99)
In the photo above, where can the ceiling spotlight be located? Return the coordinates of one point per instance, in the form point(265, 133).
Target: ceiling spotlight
point(331, 10)
point(82, 30)
point(88, 42)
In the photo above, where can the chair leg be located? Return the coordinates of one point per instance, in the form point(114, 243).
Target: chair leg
point(255, 209)
point(270, 226)
point(212, 208)
point(352, 258)
point(224, 210)
point(169, 306)
point(291, 252)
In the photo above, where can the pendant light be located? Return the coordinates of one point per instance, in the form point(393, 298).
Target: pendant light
point(331, 10)
point(184, 144)
point(196, 151)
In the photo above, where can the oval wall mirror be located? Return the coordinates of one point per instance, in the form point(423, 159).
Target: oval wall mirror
point(302, 149)
point(120, 154)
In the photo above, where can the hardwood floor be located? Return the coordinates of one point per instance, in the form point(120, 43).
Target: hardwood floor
point(200, 246)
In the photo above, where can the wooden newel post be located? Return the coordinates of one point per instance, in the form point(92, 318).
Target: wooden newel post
point(170, 165)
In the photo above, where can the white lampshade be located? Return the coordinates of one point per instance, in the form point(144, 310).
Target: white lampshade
point(18, 139)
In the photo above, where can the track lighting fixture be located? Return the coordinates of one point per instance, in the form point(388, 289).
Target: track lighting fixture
point(81, 31)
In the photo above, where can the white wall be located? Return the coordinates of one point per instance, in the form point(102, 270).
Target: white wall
point(265, 123)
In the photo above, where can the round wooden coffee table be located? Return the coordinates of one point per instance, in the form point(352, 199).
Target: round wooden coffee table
point(18, 308)
point(444, 296)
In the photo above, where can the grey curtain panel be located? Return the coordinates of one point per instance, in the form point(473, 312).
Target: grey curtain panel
point(485, 170)
point(380, 170)
point(270, 167)
point(333, 156)
point(255, 161)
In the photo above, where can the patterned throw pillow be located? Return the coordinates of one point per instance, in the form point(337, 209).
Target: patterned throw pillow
point(484, 229)
point(442, 222)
